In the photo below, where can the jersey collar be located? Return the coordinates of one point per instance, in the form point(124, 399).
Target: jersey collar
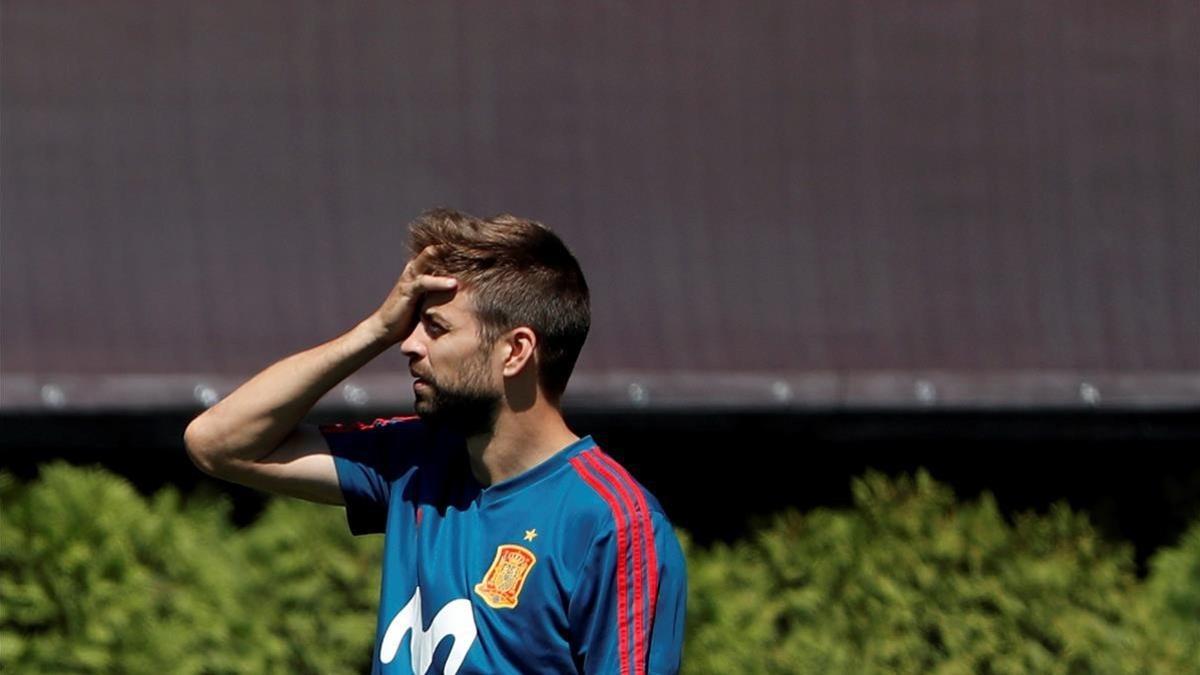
point(491, 494)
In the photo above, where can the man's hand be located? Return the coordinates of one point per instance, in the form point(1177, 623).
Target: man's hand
point(397, 316)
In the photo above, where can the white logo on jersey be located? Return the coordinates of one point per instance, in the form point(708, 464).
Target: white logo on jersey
point(454, 620)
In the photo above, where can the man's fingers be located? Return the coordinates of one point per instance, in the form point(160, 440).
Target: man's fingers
point(421, 262)
point(425, 283)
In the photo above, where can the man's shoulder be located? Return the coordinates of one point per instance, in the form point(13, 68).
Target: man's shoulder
point(613, 517)
point(390, 445)
point(605, 489)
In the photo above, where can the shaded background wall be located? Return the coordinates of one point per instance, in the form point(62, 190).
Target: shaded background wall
point(809, 204)
point(821, 236)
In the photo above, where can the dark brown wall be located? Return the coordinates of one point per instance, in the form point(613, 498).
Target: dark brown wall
point(817, 202)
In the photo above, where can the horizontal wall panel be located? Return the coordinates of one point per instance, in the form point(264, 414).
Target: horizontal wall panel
point(990, 191)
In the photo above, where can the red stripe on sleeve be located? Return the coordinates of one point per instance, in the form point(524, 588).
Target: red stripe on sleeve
point(622, 549)
point(647, 532)
point(639, 524)
point(379, 422)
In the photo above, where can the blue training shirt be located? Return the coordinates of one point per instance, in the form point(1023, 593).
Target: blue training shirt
point(571, 566)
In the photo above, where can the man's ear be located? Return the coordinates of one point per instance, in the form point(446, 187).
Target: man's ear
point(519, 346)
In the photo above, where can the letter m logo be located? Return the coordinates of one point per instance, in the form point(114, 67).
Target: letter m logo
point(455, 620)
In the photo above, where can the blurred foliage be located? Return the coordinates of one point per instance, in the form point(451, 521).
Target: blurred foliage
point(1173, 592)
point(912, 581)
point(95, 578)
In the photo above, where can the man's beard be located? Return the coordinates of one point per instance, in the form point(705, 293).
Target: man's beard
point(468, 411)
point(469, 408)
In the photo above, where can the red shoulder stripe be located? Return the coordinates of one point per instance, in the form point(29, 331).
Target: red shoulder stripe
point(647, 534)
point(639, 525)
point(622, 548)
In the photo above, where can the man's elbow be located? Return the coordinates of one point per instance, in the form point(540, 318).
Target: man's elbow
point(198, 442)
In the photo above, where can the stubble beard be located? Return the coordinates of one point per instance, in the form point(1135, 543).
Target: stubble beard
point(468, 408)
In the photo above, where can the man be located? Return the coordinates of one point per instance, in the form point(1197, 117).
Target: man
point(512, 544)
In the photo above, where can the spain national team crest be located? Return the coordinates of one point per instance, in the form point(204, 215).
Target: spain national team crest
point(501, 586)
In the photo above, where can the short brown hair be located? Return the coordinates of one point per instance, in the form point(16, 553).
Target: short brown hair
point(521, 274)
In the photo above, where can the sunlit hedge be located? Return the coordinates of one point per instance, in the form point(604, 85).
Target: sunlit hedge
point(96, 578)
point(912, 581)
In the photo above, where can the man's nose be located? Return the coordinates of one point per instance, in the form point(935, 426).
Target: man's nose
point(412, 346)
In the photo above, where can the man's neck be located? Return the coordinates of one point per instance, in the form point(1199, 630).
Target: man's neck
point(518, 442)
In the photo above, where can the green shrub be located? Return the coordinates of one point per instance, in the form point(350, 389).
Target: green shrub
point(1173, 593)
point(910, 581)
point(317, 587)
point(95, 579)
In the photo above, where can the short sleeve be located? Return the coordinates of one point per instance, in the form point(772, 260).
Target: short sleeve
point(605, 614)
point(370, 458)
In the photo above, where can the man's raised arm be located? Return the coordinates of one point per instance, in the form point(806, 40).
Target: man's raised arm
point(254, 437)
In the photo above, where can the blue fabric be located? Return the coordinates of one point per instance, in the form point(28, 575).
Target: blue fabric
point(519, 577)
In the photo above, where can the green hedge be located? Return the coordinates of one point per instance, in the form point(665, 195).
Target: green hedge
point(912, 581)
point(96, 578)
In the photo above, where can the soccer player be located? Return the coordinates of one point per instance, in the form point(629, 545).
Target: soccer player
point(511, 544)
